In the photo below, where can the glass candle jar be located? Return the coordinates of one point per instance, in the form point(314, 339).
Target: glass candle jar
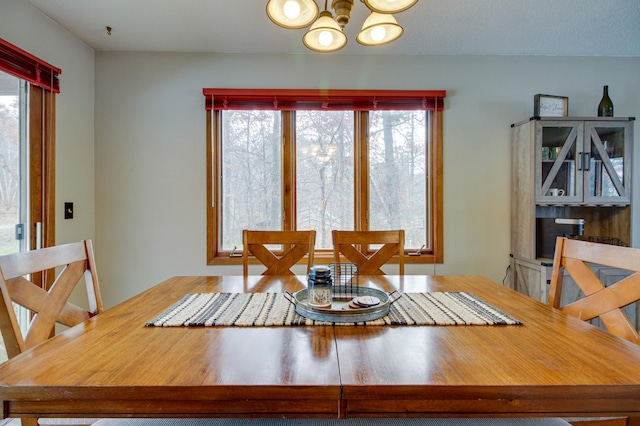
point(320, 287)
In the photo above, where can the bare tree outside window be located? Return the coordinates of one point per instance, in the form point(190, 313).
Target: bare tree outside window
point(398, 174)
point(9, 162)
point(324, 177)
point(251, 174)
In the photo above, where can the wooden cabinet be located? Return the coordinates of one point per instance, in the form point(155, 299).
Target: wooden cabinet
point(567, 168)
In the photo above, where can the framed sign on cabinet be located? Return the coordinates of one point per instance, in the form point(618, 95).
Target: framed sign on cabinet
point(550, 106)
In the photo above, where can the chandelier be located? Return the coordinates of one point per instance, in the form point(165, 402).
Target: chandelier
point(326, 32)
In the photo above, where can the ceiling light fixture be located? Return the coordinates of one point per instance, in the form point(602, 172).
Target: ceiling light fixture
point(326, 33)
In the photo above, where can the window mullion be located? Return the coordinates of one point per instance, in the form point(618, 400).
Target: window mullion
point(288, 171)
point(361, 171)
point(436, 216)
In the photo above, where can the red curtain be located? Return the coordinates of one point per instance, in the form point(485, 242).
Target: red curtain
point(295, 99)
point(19, 63)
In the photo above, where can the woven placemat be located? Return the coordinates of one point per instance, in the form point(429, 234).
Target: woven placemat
point(273, 309)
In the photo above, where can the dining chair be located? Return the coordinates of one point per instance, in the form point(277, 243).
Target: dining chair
point(295, 245)
point(354, 246)
point(606, 302)
point(574, 257)
point(48, 307)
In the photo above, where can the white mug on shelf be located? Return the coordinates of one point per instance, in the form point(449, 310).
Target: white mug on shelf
point(555, 192)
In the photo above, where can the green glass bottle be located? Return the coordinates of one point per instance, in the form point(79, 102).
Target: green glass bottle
point(605, 108)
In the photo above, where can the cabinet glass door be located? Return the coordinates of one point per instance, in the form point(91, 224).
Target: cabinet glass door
point(606, 164)
point(559, 181)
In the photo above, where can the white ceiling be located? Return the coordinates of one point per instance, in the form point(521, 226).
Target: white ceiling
point(432, 27)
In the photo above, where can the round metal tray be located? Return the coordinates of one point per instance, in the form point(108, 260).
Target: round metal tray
point(336, 313)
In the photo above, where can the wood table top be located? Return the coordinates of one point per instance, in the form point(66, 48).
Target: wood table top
point(113, 365)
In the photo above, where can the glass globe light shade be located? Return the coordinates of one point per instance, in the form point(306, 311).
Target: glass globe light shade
point(389, 6)
point(379, 29)
point(325, 35)
point(292, 14)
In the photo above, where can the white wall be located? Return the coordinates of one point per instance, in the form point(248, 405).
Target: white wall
point(150, 145)
point(150, 193)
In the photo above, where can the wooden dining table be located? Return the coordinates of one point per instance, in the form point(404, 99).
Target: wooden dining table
point(114, 366)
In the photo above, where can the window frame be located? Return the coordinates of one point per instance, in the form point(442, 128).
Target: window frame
point(350, 100)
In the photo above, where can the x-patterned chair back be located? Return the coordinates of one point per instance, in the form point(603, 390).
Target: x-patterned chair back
point(573, 257)
point(296, 244)
point(52, 306)
point(73, 261)
point(354, 246)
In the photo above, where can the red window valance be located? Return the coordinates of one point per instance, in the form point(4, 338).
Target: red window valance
point(19, 63)
point(295, 99)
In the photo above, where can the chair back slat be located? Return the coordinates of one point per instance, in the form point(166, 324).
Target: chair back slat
point(41, 260)
point(599, 301)
point(604, 254)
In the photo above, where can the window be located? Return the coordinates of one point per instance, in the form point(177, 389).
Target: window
point(324, 160)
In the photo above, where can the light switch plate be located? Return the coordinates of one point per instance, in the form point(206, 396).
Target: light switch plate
point(68, 210)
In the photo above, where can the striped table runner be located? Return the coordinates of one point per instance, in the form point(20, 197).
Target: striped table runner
point(273, 309)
